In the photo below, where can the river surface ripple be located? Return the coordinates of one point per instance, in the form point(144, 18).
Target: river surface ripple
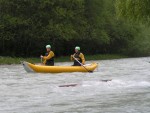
point(127, 92)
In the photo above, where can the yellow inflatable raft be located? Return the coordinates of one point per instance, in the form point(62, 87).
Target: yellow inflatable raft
point(29, 67)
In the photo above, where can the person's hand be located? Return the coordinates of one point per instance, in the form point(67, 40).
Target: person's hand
point(41, 56)
point(72, 56)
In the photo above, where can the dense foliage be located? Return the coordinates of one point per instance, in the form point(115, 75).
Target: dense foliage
point(137, 13)
point(26, 26)
point(134, 9)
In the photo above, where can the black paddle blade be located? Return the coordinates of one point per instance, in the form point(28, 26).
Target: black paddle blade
point(90, 71)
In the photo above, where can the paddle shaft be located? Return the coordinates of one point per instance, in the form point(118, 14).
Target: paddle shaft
point(82, 65)
point(41, 61)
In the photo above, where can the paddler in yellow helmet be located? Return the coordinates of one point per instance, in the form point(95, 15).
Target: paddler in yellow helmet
point(49, 56)
point(78, 57)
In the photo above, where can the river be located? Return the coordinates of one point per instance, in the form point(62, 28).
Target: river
point(127, 92)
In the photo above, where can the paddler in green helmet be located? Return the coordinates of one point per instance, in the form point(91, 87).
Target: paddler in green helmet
point(78, 56)
point(49, 56)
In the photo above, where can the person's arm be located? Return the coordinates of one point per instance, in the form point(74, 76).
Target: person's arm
point(72, 57)
point(50, 55)
point(44, 62)
point(82, 57)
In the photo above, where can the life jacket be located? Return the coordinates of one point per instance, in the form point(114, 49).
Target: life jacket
point(50, 61)
point(77, 56)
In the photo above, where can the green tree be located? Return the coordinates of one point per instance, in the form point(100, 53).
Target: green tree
point(137, 10)
point(136, 13)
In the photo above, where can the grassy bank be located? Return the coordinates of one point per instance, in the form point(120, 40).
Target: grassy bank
point(10, 60)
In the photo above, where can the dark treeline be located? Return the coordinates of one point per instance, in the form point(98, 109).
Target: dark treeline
point(26, 26)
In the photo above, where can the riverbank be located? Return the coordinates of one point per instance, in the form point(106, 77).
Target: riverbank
point(16, 60)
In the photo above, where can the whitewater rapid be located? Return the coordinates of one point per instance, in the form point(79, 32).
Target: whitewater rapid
point(128, 90)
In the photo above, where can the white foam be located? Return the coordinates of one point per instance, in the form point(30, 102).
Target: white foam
point(116, 84)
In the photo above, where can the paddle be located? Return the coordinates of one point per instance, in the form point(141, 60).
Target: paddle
point(82, 65)
point(41, 60)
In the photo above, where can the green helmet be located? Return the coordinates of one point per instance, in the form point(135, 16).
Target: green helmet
point(77, 48)
point(48, 46)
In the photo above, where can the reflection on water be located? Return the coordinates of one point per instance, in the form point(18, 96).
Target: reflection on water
point(127, 92)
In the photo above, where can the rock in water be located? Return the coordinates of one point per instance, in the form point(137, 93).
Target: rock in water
point(68, 85)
